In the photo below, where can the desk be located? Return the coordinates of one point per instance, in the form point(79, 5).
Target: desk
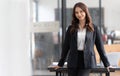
point(63, 70)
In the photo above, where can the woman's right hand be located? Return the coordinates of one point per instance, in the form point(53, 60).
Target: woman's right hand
point(56, 67)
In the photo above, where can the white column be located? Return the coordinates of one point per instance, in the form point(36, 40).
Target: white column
point(15, 38)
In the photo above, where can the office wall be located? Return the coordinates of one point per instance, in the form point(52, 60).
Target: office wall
point(112, 14)
point(47, 10)
point(15, 38)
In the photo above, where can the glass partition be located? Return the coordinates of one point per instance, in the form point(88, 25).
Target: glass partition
point(46, 35)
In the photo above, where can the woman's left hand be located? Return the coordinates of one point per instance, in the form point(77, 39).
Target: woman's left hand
point(108, 68)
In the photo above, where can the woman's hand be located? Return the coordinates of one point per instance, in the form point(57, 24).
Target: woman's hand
point(108, 68)
point(56, 67)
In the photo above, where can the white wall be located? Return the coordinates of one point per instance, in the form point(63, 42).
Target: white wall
point(89, 3)
point(112, 14)
point(46, 10)
point(15, 38)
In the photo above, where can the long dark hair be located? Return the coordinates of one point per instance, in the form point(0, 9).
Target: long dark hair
point(75, 21)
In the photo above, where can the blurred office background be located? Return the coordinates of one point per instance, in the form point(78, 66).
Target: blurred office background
point(32, 33)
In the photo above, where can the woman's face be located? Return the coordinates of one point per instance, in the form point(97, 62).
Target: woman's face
point(80, 14)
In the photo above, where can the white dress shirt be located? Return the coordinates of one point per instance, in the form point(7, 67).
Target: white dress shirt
point(81, 39)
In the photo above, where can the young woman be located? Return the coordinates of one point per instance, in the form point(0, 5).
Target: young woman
point(79, 42)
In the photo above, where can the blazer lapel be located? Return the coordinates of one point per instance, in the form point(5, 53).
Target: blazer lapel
point(88, 35)
point(76, 39)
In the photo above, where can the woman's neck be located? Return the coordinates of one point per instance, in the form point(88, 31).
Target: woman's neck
point(82, 24)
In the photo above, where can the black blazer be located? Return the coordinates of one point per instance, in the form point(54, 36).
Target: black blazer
point(70, 49)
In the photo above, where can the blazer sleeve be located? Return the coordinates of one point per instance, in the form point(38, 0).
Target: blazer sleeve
point(100, 48)
point(66, 46)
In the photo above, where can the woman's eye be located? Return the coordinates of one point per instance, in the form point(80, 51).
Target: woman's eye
point(81, 11)
point(76, 12)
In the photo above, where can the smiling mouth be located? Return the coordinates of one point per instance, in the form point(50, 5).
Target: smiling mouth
point(80, 17)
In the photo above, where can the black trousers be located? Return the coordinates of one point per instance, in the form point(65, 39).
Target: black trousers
point(80, 70)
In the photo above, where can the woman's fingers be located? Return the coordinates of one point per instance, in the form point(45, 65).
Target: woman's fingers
point(56, 67)
point(108, 68)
